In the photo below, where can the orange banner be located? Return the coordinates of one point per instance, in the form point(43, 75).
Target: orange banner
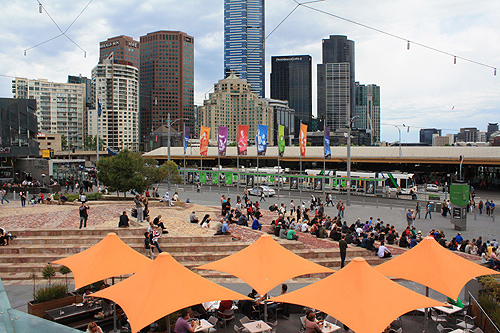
point(303, 139)
point(204, 137)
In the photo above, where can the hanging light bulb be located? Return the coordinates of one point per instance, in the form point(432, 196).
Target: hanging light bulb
point(454, 60)
point(40, 7)
point(408, 45)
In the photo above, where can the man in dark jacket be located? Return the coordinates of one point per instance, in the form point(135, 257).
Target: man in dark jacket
point(123, 221)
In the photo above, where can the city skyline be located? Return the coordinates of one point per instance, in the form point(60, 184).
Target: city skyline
point(418, 86)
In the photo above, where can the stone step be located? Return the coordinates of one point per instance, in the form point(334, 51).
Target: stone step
point(139, 231)
point(128, 239)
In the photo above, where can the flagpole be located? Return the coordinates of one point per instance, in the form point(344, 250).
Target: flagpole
point(238, 170)
point(218, 173)
point(201, 169)
point(279, 176)
point(185, 147)
point(300, 153)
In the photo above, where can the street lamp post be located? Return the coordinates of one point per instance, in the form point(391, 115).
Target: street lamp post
point(348, 185)
point(169, 125)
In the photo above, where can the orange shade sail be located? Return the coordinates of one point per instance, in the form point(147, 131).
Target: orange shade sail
point(433, 266)
point(108, 258)
point(360, 297)
point(162, 288)
point(265, 264)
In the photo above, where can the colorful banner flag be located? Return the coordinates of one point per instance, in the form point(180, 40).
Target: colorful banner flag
point(326, 143)
point(186, 138)
point(222, 140)
point(303, 139)
point(261, 139)
point(281, 140)
point(242, 139)
point(204, 137)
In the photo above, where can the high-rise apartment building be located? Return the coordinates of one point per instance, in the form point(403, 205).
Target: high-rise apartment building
point(120, 48)
point(244, 36)
point(233, 103)
point(427, 134)
point(115, 85)
point(492, 128)
point(367, 108)
point(291, 80)
point(336, 84)
point(60, 107)
point(166, 80)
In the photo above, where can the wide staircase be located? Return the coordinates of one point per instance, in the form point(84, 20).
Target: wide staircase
point(32, 250)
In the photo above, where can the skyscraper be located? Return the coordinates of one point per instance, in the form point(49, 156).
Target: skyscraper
point(244, 33)
point(291, 80)
point(426, 135)
point(367, 108)
point(123, 48)
point(166, 80)
point(116, 84)
point(336, 88)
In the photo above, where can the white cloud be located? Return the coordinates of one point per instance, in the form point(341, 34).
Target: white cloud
point(418, 86)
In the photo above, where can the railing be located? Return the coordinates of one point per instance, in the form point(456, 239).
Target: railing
point(483, 321)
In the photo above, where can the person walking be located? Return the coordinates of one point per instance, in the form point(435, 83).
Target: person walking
point(492, 208)
point(417, 210)
point(428, 211)
point(262, 195)
point(343, 251)
point(84, 215)
point(3, 195)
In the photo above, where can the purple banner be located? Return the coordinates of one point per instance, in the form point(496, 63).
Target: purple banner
point(222, 140)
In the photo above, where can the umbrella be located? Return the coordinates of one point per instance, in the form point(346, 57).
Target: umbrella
point(265, 264)
point(163, 287)
point(432, 265)
point(360, 297)
point(108, 258)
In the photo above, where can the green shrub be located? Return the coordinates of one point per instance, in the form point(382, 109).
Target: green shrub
point(490, 286)
point(74, 197)
point(49, 293)
point(48, 273)
point(491, 307)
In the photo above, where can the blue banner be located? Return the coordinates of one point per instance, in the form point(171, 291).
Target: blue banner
point(262, 139)
point(326, 143)
point(186, 138)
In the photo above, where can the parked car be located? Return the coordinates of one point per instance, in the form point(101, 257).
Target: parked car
point(269, 192)
point(431, 188)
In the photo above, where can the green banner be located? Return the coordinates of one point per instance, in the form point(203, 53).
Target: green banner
point(215, 178)
point(203, 177)
point(459, 194)
point(229, 178)
point(281, 139)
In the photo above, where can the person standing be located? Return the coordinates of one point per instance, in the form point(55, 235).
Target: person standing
point(428, 211)
point(343, 251)
point(488, 207)
point(22, 195)
point(262, 195)
point(417, 210)
point(409, 218)
point(492, 208)
point(339, 205)
point(138, 206)
point(480, 206)
point(84, 215)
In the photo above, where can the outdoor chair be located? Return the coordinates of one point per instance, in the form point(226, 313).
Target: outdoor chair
point(464, 324)
point(442, 329)
point(303, 324)
point(226, 316)
point(437, 317)
point(478, 330)
point(330, 319)
point(399, 330)
point(237, 329)
point(245, 320)
point(212, 320)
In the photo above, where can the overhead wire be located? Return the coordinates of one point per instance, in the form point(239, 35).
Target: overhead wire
point(408, 41)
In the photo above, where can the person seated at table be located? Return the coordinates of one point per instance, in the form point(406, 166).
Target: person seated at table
point(271, 307)
point(246, 306)
point(285, 307)
point(182, 325)
point(201, 310)
point(223, 306)
point(93, 328)
point(86, 296)
point(311, 325)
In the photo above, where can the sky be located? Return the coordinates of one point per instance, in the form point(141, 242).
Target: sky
point(420, 88)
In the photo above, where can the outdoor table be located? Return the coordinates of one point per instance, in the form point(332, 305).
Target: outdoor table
point(458, 330)
point(72, 313)
point(328, 327)
point(451, 309)
point(204, 325)
point(257, 326)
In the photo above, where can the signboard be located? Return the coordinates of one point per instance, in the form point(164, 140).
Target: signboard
point(459, 194)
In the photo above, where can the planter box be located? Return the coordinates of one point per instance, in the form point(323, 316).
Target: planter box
point(38, 309)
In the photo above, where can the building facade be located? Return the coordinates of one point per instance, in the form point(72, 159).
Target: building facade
point(291, 80)
point(336, 82)
point(427, 134)
point(166, 80)
point(283, 115)
point(244, 36)
point(492, 128)
point(468, 134)
point(115, 84)
point(60, 107)
point(120, 48)
point(233, 103)
point(367, 110)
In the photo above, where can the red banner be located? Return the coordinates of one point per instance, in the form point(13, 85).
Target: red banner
point(204, 137)
point(303, 139)
point(242, 139)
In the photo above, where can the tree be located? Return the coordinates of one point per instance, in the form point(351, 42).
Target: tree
point(64, 142)
point(169, 171)
point(90, 142)
point(48, 273)
point(65, 271)
point(123, 172)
